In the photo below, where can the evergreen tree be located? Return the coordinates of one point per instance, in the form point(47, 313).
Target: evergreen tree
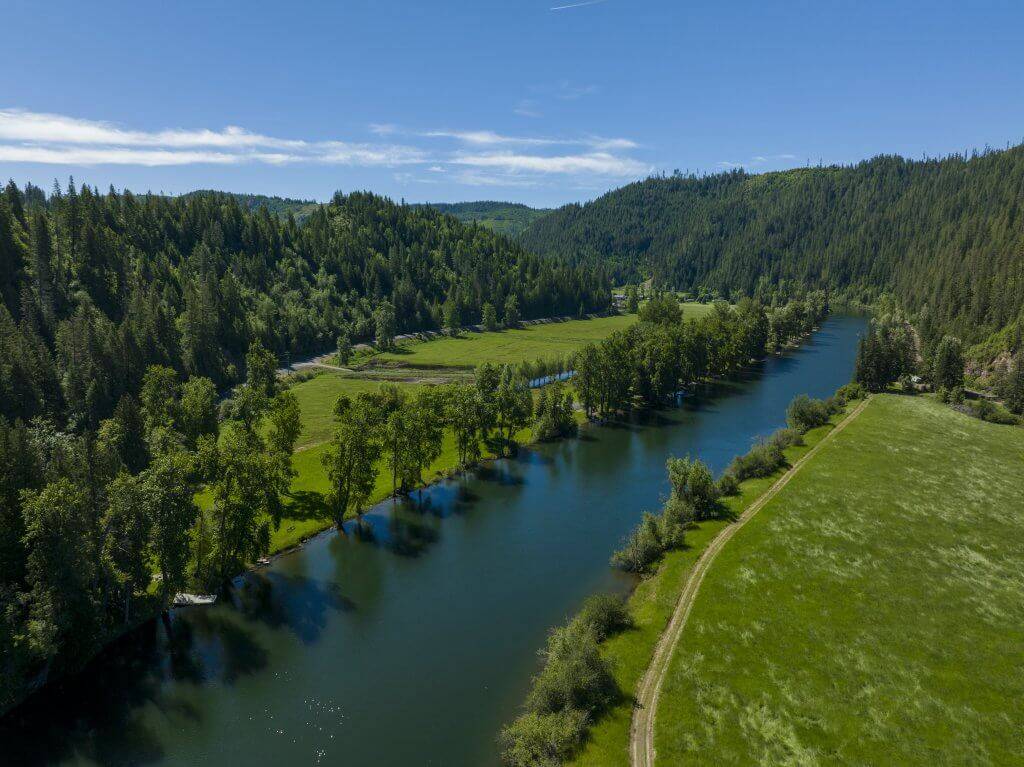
point(512, 316)
point(490, 317)
point(948, 370)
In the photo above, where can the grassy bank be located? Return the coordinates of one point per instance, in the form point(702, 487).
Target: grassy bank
point(872, 613)
point(554, 339)
point(651, 606)
point(305, 514)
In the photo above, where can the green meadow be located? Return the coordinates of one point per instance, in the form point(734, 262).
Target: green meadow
point(305, 514)
point(530, 342)
point(651, 605)
point(514, 345)
point(873, 611)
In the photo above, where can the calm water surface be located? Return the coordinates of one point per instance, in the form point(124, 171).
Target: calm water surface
point(412, 642)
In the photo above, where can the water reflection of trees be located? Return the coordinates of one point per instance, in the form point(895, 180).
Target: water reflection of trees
point(94, 715)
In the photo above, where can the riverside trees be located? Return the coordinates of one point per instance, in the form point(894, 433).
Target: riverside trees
point(649, 361)
point(90, 516)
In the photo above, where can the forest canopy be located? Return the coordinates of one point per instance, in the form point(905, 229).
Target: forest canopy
point(97, 287)
point(945, 237)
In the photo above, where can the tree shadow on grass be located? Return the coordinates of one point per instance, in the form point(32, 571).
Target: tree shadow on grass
point(306, 505)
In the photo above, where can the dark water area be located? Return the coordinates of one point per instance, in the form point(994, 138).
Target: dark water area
point(411, 641)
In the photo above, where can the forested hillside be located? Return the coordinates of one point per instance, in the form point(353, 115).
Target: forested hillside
point(120, 319)
point(945, 237)
point(97, 287)
point(279, 206)
point(508, 218)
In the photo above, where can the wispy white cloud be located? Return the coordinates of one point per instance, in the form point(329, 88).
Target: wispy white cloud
point(58, 139)
point(578, 5)
point(489, 138)
point(599, 163)
point(476, 157)
point(527, 108)
point(568, 91)
point(383, 129)
point(757, 160)
point(479, 178)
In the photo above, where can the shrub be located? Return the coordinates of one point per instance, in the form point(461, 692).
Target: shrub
point(762, 460)
point(676, 516)
point(693, 483)
point(575, 676)
point(988, 411)
point(804, 413)
point(728, 485)
point(542, 740)
point(642, 548)
point(605, 614)
point(849, 393)
point(786, 438)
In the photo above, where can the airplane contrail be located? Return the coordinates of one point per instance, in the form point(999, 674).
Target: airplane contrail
point(577, 5)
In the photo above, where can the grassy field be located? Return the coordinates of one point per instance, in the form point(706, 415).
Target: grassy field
point(305, 513)
point(519, 344)
point(316, 403)
point(508, 346)
point(872, 613)
point(651, 606)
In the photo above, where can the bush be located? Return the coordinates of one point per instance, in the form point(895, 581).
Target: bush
point(804, 413)
point(693, 483)
point(728, 485)
point(762, 460)
point(605, 614)
point(786, 438)
point(849, 393)
point(575, 676)
point(989, 411)
point(676, 516)
point(542, 740)
point(642, 548)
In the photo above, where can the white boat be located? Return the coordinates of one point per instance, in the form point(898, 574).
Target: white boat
point(192, 600)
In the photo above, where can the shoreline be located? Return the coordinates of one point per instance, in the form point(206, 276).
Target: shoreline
point(291, 547)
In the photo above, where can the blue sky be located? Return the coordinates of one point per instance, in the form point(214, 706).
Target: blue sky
point(521, 100)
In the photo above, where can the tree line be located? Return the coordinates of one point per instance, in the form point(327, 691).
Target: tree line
point(576, 684)
point(944, 237)
point(100, 527)
point(647, 363)
point(403, 433)
point(124, 319)
point(894, 352)
point(96, 287)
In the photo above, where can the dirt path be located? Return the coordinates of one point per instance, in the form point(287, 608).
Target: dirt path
point(641, 734)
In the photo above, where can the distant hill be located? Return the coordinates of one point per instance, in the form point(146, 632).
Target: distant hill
point(508, 218)
point(944, 237)
point(279, 206)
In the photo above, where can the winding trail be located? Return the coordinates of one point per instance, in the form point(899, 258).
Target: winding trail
point(641, 732)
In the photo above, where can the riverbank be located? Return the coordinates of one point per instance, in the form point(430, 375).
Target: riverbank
point(871, 611)
point(655, 598)
point(310, 641)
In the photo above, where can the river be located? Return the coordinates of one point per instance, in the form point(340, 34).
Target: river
point(412, 642)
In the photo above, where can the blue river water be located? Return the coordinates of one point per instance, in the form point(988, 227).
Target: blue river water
point(412, 640)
